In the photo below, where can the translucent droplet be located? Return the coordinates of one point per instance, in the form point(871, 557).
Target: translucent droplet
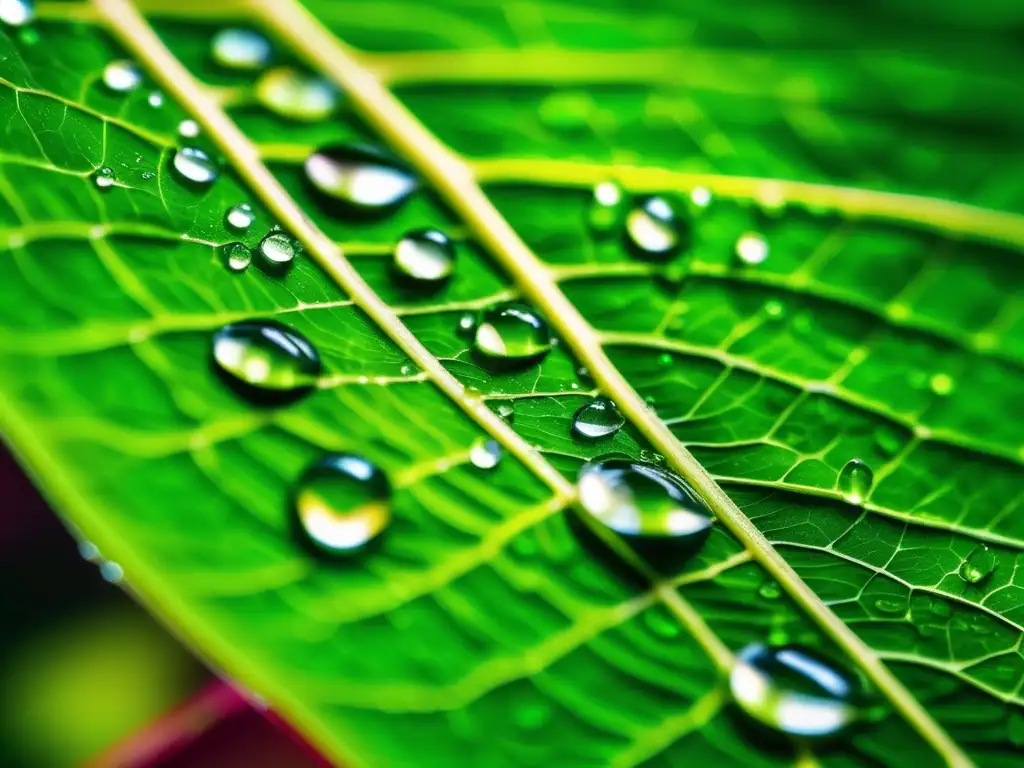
point(597, 419)
point(770, 590)
point(16, 13)
point(104, 178)
point(237, 256)
point(794, 690)
point(240, 49)
point(752, 248)
point(606, 207)
point(155, 99)
point(700, 197)
point(266, 361)
point(979, 564)
point(239, 217)
point(277, 252)
point(585, 376)
point(425, 256)
point(485, 454)
point(644, 501)
point(774, 309)
point(467, 325)
point(942, 384)
point(855, 481)
point(891, 607)
point(654, 228)
point(506, 412)
point(194, 166)
point(296, 95)
point(188, 129)
point(341, 503)
point(511, 334)
point(359, 179)
point(111, 572)
point(122, 76)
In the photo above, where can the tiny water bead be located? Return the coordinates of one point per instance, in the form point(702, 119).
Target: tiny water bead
point(104, 178)
point(296, 95)
point(359, 178)
point(654, 229)
point(467, 325)
point(511, 334)
point(752, 248)
point(237, 256)
point(17, 13)
point(122, 76)
point(425, 256)
point(194, 166)
point(794, 690)
point(855, 481)
point(700, 197)
point(598, 419)
point(485, 454)
point(266, 361)
point(941, 384)
point(979, 565)
point(506, 412)
point(341, 503)
point(239, 217)
point(277, 251)
point(155, 99)
point(642, 500)
point(188, 129)
point(606, 207)
point(240, 49)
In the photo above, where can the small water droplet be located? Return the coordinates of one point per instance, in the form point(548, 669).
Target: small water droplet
point(122, 76)
point(855, 481)
point(665, 359)
point(942, 384)
point(510, 335)
point(700, 197)
point(111, 572)
point(425, 256)
point(104, 178)
point(774, 308)
point(358, 178)
point(239, 217)
point(506, 412)
point(606, 207)
point(341, 503)
point(155, 99)
point(296, 95)
point(891, 607)
point(794, 690)
point(240, 49)
point(89, 551)
point(979, 564)
point(770, 590)
point(752, 248)
point(467, 325)
point(237, 256)
point(266, 361)
point(654, 228)
point(147, 175)
point(485, 454)
point(585, 376)
point(17, 13)
point(643, 501)
point(600, 418)
point(277, 252)
point(188, 129)
point(194, 166)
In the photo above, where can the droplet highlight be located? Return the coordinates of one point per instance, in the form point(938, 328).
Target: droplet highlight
point(266, 361)
point(425, 256)
point(237, 256)
point(485, 454)
point(510, 335)
point(17, 13)
point(855, 481)
point(188, 129)
point(752, 249)
point(979, 564)
point(155, 99)
point(596, 420)
point(104, 178)
point(240, 217)
point(122, 76)
point(358, 179)
point(296, 95)
point(240, 49)
point(654, 229)
point(194, 166)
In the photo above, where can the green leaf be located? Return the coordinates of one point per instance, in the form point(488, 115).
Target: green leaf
point(885, 325)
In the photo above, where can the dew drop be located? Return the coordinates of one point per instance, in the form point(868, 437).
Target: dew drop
point(855, 481)
point(239, 217)
point(194, 166)
point(358, 178)
point(425, 256)
point(277, 251)
point(188, 129)
point(104, 178)
point(240, 49)
point(266, 361)
point(598, 419)
point(506, 412)
point(979, 564)
point(485, 454)
point(794, 690)
point(510, 335)
point(341, 503)
point(122, 76)
point(700, 197)
point(654, 228)
point(770, 590)
point(606, 207)
point(155, 99)
point(891, 607)
point(17, 13)
point(774, 308)
point(752, 248)
point(111, 572)
point(942, 384)
point(296, 95)
point(585, 376)
point(467, 325)
point(237, 256)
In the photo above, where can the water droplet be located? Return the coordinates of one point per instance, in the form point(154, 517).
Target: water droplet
point(700, 197)
point(752, 248)
point(770, 590)
point(239, 217)
point(188, 129)
point(597, 419)
point(425, 256)
point(794, 690)
point(485, 454)
point(467, 325)
point(194, 166)
point(342, 502)
point(89, 551)
point(979, 564)
point(606, 207)
point(122, 76)
point(296, 95)
point(774, 309)
point(111, 572)
point(277, 252)
point(147, 175)
point(942, 384)
point(359, 178)
point(237, 256)
point(155, 99)
point(266, 361)
point(511, 334)
point(643, 500)
point(891, 607)
point(855, 481)
point(654, 228)
point(17, 13)
point(104, 178)
point(506, 412)
point(241, 49)
point(585, 376)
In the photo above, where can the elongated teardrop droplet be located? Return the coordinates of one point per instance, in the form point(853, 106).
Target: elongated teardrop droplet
point(597, 419)
point(266, 361)
point(296, 95)
point(855, 481)
point(277, 252)
point(341, 503)
point(979, 564)
point(794, 690)
point(237, 256)
point(359, 179)
point(654, 229)
point(510, 335)
point(194, 166)
point(240, 49)
point(17, 13)
point(485, 454)
point(239, 217)
point(425, 256)
point(122, 76)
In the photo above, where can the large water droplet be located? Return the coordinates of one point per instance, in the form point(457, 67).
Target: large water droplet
point(241, 49)
point(358, 178)
point(654, 228)
point(266, 361)
point(342, 503)
point(239, 217)
point(794, 690)
point(511, 334)
point(194, 166)
point(979, 564)
point(104, 178)
point(425, 256)
point(122, 76)
point(606, 207)
point(17, 13)
point(642, 500)
point(277, 251)
point(855, 481)
point(597, 419)
point(752, 248)
point(485, 454)
point(296, 95)
point(237, 256)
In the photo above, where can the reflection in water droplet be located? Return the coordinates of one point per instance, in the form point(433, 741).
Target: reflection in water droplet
point(155, 99)
point(358, 178)
point(104, 178)
point(239, 217)
point(654, 228)
point(511, 334)
point(855, 481)
point(194, 166)
point(485, 454)
point(241, 49)
point(425, 256)
point(597, 419)
point(606, 207)
point(237, 256)
point(89, 551)
point(979, 564)
point(16, 13)
point(188, 129)
point(752, 248)
point(266, 361)
point(794, 690)
point(585, 376)
point(341, 503)
point(277, 252)
point(296, 95)
point(942, 384)
point(112, 572)
point(122, 76)
point(642, 500)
